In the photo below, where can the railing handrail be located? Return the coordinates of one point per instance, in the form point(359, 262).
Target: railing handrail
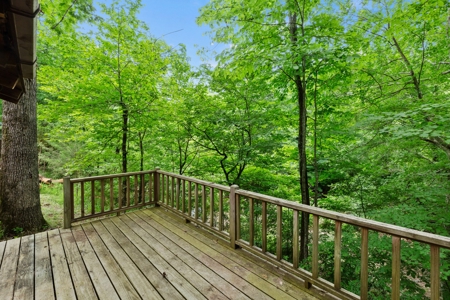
point(404, 232)
point(195, 180)
point(92, 178)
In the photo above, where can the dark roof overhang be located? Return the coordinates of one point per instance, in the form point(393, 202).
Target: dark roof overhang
point(18, 19)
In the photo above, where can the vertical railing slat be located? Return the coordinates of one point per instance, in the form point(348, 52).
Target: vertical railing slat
point(315, 252)
point(68, 202)
point(211, 206)
point(238, 217)
point(337, 254)
point(167, 190)
point(111, 194)
point(264, 226)
point(220, 210)
point(435, 272)
point(102, 195)
point(128, 191)
point(396, 257)
point(92, 197)
point(251, 222)
point(190, 199)
point(196, 200)
point(120, 192)
point(295, 234)
point(136, 190)
point(203, 203)
point(157, 186)
point(82, 198)
point(142, 188)
point(279, 231)
point(364, 264)
point(183, 195)
point(233, 217)
point(163, 189)
point(172, 196)
point(177, 193)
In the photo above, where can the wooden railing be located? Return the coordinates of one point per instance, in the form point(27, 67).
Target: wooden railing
point(234, 214)
point(94, 197)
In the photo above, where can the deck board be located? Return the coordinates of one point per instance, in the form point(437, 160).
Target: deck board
point(148, 254)
point(43, 269)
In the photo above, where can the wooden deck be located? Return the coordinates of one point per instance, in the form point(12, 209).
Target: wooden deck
point(148, 254)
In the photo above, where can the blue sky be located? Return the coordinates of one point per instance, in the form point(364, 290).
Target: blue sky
point(166, 16)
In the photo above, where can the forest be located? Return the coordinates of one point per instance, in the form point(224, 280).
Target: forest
point(338, 104)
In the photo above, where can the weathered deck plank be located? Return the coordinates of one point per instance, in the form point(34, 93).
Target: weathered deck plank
point(60, 269)
point(137, 278)
point(140, 255)
point(24, 287)
point(120, 281)
point(98, 276)
point(165, 269)
point(43, 279)
point(9, 268)
point(156, 278)
point(80, 278)
point(202, 269)
point(177, 258)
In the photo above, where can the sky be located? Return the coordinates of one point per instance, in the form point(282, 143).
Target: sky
point(166, 17)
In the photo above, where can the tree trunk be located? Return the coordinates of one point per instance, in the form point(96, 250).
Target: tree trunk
point(20, 205)
point(300, 83)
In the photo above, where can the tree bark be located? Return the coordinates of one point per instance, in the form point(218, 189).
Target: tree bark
point(19, 176)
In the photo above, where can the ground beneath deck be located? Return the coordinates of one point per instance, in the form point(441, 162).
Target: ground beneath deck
point(148, 254)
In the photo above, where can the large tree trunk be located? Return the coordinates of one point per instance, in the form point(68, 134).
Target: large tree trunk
point(19, 177)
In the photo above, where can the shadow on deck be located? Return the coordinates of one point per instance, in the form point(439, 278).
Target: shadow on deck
point(147, 254)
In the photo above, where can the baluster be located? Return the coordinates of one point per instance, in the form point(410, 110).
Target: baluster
point(337, 254)
point(264, 226)
point(128, 191)
point(238, 217)
point(279, 231)
point(220, 210)
point(183, 197)
point(163, 188)
point(142, 188)
point(172, 194)
point(435, 272)
point(364, 263)
point(203, 204)
point(211, 206)
point(167, 190)
point(111, 194)
point(102, 195)
point(136, 190)
point(196, 200)
point(82, 198)
point(120, 193)
point(396, 256)
point(190, 198)
point(92, 197)
point(252, 222)
point(295, 250)
point(315, 254)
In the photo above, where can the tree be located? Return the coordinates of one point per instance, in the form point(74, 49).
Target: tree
point(19, 187)
point(292, 39)
point(19, 182)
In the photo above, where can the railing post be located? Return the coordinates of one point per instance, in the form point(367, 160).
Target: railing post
point(156, 186)
point(68, 203)
point(233, 219)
